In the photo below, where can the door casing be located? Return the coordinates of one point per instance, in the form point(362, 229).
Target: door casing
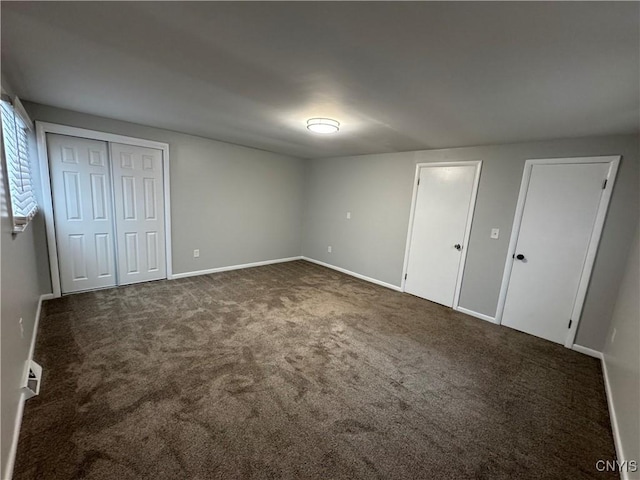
point(614, 162)
point(474, 193)
point(42, 128)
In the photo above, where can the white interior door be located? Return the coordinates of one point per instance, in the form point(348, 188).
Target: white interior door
point(81, 188)
point(139, 212)
point(558, 219)
point(442, 213)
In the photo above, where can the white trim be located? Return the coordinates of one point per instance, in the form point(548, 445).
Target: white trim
point(42, 128)
point(617, 440)
point(587, 268)
point(354, 274)
point(412, 210)
point(598, 226)
point(97, 135)
point(233, 267)
point(47, 209)
point(13, 449)
point(587, 351)
point(482, 316)
point(467, 233)
point(22, 113)
point(166, 171)
point(32, 347)
point(515, 230)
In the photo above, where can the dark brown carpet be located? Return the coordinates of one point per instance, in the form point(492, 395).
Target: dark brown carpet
point(295, 371)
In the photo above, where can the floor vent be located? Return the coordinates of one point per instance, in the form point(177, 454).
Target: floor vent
point(31, 384)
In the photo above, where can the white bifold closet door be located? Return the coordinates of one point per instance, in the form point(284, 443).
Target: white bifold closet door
point(139, 213)
point(108, 203)
point(83, 213)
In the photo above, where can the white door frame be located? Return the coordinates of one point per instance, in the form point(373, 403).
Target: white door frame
point(576, 312)
point(42, 128)
point(472, 204)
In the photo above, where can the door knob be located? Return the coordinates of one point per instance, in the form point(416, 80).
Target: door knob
point(457, 246)
point(520, 256)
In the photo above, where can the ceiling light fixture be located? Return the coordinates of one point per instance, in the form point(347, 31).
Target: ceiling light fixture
point(323, 125)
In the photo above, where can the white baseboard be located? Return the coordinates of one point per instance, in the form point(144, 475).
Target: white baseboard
point(588, 351)
point(617, 440)
point(354, 274)
point(46, 296)
point(233, 267)
point(11, 459)
point(482, 316)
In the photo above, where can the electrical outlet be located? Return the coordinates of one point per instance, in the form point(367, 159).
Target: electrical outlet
point(329, 249)
point(348, 215)
point(613, 335)
point(196, 253)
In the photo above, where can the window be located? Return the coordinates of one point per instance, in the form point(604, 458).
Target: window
point(15, 124)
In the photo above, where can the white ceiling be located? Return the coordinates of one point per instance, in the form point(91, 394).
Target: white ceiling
point(398, 76)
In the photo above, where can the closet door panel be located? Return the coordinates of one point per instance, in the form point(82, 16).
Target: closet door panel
point(139, 212)
point(83, 214)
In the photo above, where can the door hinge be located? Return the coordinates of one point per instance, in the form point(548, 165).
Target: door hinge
point(405, 276)
point(570, 322)
point(604, 184)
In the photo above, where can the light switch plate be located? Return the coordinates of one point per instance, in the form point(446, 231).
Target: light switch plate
point(495, 233)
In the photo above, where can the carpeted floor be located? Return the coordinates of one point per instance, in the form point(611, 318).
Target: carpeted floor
point(295, 371)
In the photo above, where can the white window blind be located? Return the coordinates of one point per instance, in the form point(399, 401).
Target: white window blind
point(18, 167)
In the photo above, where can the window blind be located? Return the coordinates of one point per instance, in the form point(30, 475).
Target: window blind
point(18, 168)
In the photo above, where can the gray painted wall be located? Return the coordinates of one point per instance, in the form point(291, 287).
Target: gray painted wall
point(240, 205)
point(235, 204)
point(23, 279)
point(622, 357)
point(377, 190)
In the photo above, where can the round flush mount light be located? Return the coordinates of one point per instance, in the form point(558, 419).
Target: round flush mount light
point(323, 125)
